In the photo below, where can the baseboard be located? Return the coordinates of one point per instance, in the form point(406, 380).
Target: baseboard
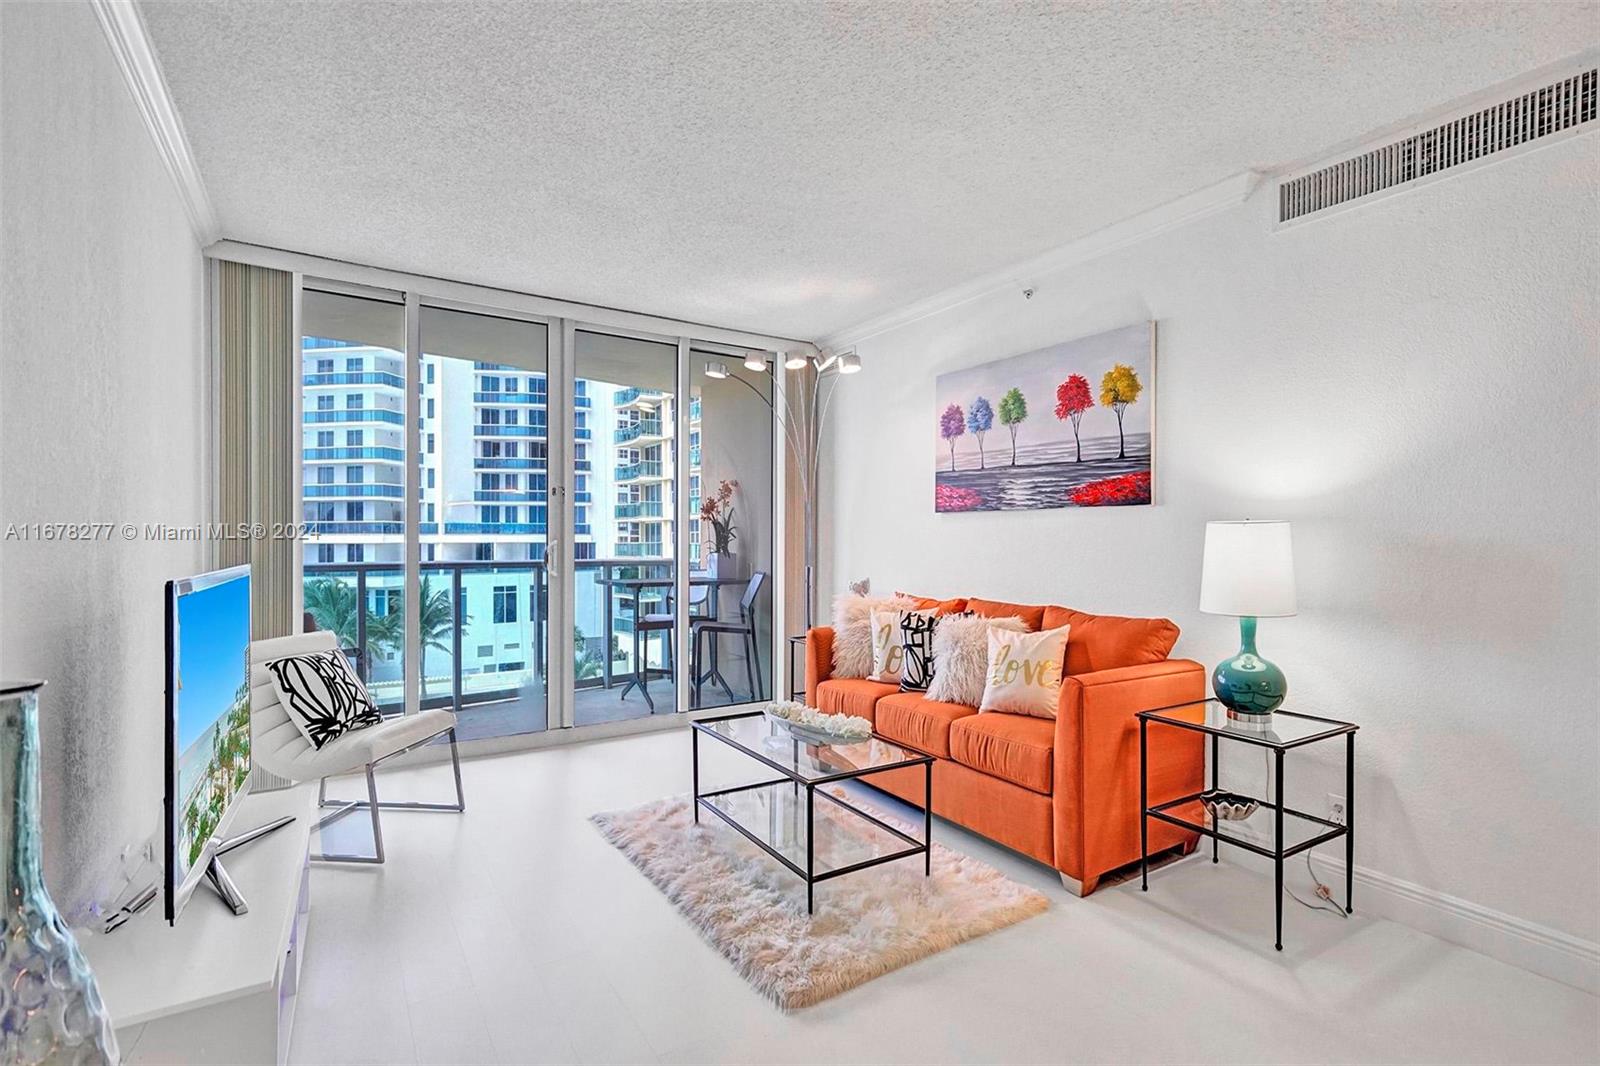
point(1505, 937)
point(1517, 941)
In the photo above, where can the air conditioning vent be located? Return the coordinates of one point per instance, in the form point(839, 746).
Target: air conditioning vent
point(1542, 112)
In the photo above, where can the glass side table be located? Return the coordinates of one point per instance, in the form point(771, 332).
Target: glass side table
point(1289, 831)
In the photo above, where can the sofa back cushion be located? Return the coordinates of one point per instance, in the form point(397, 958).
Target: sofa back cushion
point(936, 605)
point(1106, 642)
point(1032, 617)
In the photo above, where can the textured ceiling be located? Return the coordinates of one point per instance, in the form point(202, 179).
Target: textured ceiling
point(788, 168)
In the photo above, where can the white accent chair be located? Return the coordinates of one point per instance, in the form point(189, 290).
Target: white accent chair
point(278, 746)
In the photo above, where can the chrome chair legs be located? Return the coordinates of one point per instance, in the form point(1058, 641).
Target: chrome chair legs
point(372, 804)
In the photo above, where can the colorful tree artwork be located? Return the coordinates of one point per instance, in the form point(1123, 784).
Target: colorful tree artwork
point(1118, 389)
point(951, 426)
point(980, 419)
point(1073, 398)
point(1013, 409)
point(1096, 452)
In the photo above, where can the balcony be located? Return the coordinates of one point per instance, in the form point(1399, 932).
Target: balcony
point(487, 429)
point(359, 377)
point(355, 414)
point(629, 397)
point(642, 469)
point(650, 549)
point(485, 462)
point(341, 455)
point(641, 509)
point(484, 529)
point(391, 492)
point(361, 529)
point(537, 399)
point(646, 427)
point(467, 666)
point(508, 496)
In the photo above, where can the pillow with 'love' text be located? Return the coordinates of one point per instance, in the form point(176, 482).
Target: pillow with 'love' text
point(1025, 672)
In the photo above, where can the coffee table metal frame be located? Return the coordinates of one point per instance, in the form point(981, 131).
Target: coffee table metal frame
point(808, 872)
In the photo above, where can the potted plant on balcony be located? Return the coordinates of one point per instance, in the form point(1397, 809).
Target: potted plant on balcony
point(718, 511)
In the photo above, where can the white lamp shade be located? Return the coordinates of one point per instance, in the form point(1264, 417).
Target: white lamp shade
point(1248, 569)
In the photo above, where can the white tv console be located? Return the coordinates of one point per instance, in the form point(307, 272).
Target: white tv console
point(216, 987)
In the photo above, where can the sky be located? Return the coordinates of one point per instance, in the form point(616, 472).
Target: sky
point(213, 635)
point(1037, 373)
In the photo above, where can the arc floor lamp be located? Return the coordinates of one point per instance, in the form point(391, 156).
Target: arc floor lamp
point(802, 415)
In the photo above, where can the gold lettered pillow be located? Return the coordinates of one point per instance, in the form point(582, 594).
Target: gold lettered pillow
point(1025, 672)
point(889, 644)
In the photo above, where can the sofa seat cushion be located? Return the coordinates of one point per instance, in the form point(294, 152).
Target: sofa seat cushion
point(1012, 747)
point(1109, 642)
point(1032, 617)
point(852, 695)
point(911, 718)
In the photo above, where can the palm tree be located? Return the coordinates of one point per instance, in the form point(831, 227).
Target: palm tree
point(436, 624)
point(334, 605)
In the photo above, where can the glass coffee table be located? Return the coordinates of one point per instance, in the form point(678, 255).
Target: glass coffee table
point(779, 815)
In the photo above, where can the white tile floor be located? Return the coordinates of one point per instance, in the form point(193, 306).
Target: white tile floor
point(513, 933)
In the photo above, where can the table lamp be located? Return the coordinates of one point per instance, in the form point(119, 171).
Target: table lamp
point(1248, 571)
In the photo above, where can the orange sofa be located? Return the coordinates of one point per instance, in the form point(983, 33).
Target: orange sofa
point(1063, 791)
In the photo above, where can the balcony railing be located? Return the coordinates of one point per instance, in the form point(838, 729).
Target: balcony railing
point(646, 550)
point(476, 529)
point(333, 455)
point(356, 414)
point(507, 496)
point(647, 427)
point(355, 377)
point(392, 492)
point(355, 528)
point(499, 463)
point(490, 429)
point(627, 396)
point(643, 468)
point(641, 509)
point(360, 601)
point(538, 399)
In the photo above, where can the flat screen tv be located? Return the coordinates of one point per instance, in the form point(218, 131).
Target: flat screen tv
point(208, 721)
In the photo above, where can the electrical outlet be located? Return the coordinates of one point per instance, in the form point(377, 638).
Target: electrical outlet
point(1336, 809)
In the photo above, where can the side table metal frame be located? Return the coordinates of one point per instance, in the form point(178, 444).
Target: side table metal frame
point(1277, 853)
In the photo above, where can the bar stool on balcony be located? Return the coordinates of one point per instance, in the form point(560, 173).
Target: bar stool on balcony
point(643, 626)
point(745, 628)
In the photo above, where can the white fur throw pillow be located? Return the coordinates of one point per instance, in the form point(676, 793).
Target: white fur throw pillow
point(961, 656)
point(852, 631)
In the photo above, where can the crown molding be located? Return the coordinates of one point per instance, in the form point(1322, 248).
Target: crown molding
point(1225, 194)
point(130, 45)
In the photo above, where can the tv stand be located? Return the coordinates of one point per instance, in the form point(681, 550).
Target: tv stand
point(216, 987)
point(217, 877)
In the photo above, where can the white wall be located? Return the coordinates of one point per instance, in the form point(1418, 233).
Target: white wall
point(1414, 384)
point(102, 375)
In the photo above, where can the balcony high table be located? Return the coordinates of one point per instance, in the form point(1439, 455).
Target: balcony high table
point(634, 586)
point(1286, 730)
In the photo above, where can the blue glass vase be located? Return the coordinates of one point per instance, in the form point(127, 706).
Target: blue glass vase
point(50, 1009)
point(1248, 685)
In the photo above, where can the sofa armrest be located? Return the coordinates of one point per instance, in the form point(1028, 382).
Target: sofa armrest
point(1096, 796)
point(819, 660)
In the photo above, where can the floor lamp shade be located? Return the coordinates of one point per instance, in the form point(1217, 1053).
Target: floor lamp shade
point(1248, 571)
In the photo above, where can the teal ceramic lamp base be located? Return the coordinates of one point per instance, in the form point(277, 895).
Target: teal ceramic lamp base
point(1248, 685)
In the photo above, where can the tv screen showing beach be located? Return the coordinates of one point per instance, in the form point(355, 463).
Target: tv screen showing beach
point(212, 711)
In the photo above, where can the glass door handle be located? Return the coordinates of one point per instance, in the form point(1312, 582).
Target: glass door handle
point(552, 556)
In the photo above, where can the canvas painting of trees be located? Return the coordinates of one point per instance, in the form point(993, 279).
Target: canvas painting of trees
point(1078, 419)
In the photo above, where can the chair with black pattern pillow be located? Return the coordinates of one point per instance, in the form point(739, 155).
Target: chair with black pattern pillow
point(279, 747)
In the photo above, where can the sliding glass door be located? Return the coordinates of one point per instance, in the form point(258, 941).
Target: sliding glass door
point(531, 522)
point(484, 473)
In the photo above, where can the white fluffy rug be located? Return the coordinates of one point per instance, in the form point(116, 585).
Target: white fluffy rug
point(866, 923)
